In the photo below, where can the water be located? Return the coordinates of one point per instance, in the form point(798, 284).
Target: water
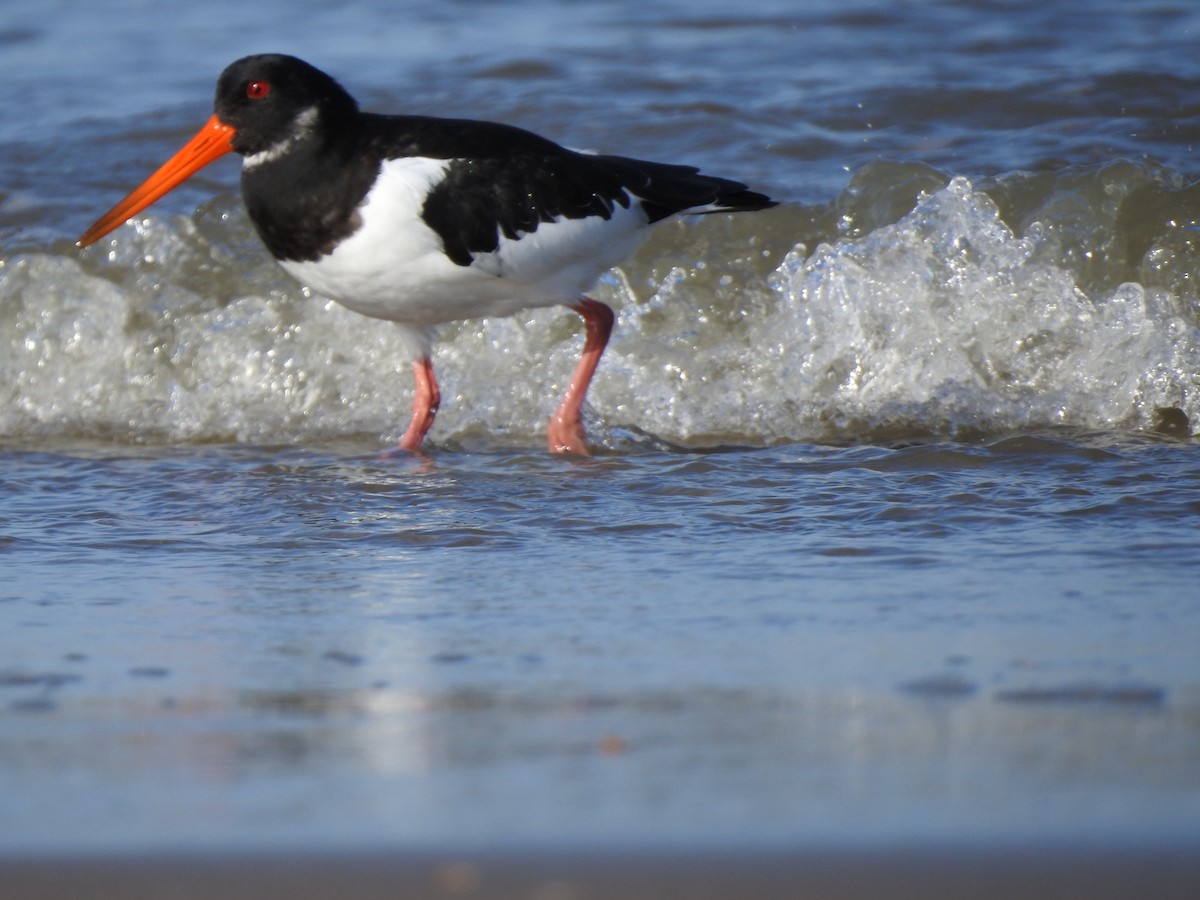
point(798, 644)
point(891, 533)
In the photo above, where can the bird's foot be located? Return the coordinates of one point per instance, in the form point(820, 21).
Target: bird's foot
point(566, 437)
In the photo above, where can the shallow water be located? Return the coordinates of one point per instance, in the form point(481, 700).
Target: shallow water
point(269, 647)
point(891, 532)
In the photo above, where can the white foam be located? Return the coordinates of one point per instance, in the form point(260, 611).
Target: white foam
point(944, 322)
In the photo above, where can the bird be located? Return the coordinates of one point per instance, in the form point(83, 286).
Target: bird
point(424, 220)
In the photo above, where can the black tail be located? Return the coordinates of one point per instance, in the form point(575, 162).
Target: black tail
point(666, 190)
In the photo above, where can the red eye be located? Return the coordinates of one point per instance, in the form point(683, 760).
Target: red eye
point(256, 90)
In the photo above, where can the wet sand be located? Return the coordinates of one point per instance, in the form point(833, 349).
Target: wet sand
point(1087, 873)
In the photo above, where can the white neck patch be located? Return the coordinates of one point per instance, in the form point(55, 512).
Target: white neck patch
point(302, 127)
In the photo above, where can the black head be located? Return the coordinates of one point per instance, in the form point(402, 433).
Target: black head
point(267, 105)
point(270, 99)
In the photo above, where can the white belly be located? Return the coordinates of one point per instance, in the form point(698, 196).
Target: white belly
point(393, 267)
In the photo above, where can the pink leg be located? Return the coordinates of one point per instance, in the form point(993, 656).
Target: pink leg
point(426, 399)
point(565, 432)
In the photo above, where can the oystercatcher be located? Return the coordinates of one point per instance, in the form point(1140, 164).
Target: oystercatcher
point(423, 220)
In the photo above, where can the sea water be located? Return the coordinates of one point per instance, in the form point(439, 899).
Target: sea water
point(890, 532)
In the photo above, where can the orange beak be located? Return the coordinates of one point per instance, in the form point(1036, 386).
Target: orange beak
point(211, 142)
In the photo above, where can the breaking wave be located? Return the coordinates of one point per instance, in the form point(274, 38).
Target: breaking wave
point(914, 304)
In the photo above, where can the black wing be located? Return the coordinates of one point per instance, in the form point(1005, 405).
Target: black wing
point(504, 181)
